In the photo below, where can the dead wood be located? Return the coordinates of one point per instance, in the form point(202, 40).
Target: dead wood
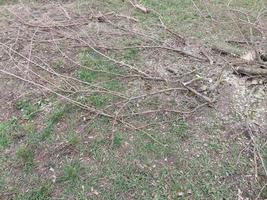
point(223, 52)
point(139, 7)
point(251, 71)
point(179, 51)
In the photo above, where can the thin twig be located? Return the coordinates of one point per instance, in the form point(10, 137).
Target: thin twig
point(180, 51)
point(58, 94)
point(210, 101)
point(261, 190)
point(163, 110)
point(57, 74)
point(256, 148)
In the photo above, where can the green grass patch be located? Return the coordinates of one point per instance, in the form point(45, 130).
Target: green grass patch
point(114, 85)
point(118, 139)
point(41, 193)
point(4, 135)
point(103, 73)
point(98, 100)
point(167, 160)
point(74, 139)
point(5, 2)
point(28, 109)
point(31, 133)
point(131, 54)
point(210, 21)
point(58, 64)
point(99, 66)
point(71, 173)
point(25, 155)
point(148, 170)
point(6, 129)
point(87, 75)
point(180, 128)
point(99, 70)
point(53, 120)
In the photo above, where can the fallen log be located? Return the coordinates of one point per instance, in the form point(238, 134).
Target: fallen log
point(251, 71)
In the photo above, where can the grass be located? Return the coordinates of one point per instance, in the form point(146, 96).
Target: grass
point(98, 100)
point(197, 19)
point(71, 173)
point(4, 136)
point(74, 139)
point(138, 167)
point(118, 139)
point(25, 155)
point(145, 172)
point(6, 132)
point(4, 2)
point(131, 54)
point(41, 193)
point(28, 109)
point(52, 121)
point(175, 158)
point(103, 73)
point(96, 68)
point(180, 127)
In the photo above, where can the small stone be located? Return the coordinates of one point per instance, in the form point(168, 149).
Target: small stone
point(254, 82)
point(180, 194)
point(249, 56)
point(204, 87)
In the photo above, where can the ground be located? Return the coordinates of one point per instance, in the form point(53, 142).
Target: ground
point(133, 99)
